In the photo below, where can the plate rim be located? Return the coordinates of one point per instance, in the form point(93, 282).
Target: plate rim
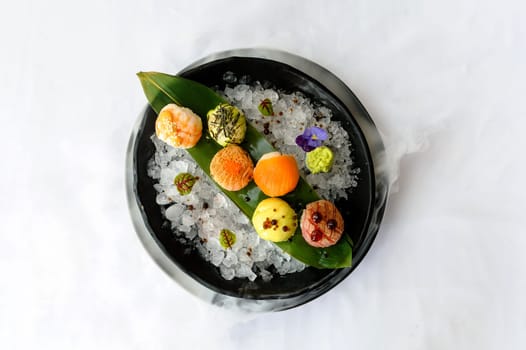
point(376, 151)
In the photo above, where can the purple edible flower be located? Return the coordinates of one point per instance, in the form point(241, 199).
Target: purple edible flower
point(311, 138)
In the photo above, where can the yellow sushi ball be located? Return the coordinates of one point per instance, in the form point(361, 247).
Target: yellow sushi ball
point(274, 220)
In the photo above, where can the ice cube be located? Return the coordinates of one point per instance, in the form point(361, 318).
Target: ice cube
point(216, 257)
point(163, 199)
point(230, 259)
point(219, 201)
point(226, 272)
point(174, 212)
point(229, 77)
point(187, 219)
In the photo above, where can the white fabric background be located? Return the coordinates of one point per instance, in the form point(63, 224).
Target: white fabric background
point(443, 80)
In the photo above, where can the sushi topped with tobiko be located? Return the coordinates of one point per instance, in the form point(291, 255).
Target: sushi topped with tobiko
point(231, 168)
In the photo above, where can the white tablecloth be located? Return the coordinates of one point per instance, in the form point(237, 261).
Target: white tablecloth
point(443, 80)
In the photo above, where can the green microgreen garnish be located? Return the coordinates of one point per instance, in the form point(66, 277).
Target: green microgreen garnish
point(184, 183)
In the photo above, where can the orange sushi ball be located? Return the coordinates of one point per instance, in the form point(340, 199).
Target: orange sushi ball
point(276, 174)
point(232, 168)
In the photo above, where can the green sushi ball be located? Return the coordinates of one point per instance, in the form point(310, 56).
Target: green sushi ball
point(320, 160)
point(226, 124)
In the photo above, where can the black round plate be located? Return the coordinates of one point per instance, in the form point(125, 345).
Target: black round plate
point(360, 210)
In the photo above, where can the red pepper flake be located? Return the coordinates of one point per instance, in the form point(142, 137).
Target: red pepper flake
point(266, 130)
point(316, 217)
point(316, 235)
point(267, 224)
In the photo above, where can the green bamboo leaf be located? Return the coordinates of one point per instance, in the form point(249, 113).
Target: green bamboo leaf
point(161, 89)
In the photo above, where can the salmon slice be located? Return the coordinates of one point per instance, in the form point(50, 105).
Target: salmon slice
point(276, 174)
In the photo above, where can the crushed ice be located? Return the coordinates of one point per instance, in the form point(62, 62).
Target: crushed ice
point(199, 216)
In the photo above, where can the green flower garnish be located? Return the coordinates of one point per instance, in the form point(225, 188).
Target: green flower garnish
point(184, 183)
point(227, 238)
